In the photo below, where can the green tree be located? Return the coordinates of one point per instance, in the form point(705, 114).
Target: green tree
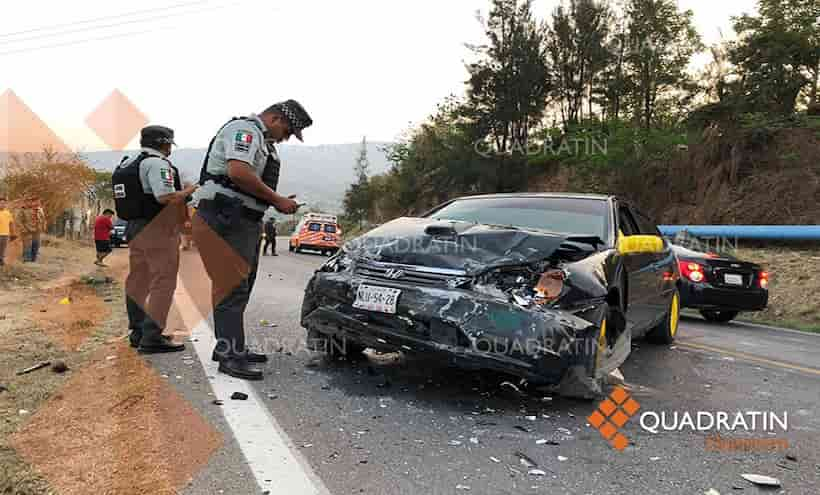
point(661, 41)
point(101, 190)
point(778, 54)
point(357, 200)
point(509, 83)
point(578, 55)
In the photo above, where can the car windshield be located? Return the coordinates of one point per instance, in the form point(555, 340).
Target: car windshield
point(314, 227)
point(330, 229)
point(574, 216)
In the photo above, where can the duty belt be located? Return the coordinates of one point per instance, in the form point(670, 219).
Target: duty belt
point(249, 213)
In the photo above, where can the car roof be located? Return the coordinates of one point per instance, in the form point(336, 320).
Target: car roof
point(600, 197)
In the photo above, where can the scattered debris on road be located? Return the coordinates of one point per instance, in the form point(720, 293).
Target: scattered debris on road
point(23, 412)
point(791, 457)
point(239, 396)
point(217, 402)
point(463, 487)
point(3, 389)
point(711, 491)
point(512, 388)
point(59, 367)
point(615, 377)
point(537, 472)
point(36, 367)
point(525, 460)
point(562, 458)
point(761, 480)
point(495, 460)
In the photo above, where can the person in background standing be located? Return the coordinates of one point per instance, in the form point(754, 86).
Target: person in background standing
point(102, 236)
point(7, 229)
point(270, 237)
point(32, 223)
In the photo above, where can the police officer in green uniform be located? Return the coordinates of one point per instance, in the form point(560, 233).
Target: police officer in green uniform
point(153, 241)
point(239, 179)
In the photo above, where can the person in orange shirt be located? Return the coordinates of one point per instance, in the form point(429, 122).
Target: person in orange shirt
point(7, 229)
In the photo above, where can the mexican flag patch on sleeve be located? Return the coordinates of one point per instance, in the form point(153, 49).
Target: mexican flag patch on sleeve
point(167, 176)
point(244, 137)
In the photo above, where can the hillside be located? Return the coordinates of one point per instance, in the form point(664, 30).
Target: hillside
point(319, 175)
point(763, 175)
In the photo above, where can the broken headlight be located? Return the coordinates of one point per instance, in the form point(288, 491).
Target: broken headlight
point(524, 286)
point(550, 286)
point(339, 262)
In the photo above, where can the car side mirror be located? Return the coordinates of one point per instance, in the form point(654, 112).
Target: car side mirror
point(640, 244)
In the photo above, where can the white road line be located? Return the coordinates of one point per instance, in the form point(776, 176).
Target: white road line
point(270, 454)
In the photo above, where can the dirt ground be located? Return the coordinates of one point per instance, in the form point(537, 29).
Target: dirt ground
point(794, 291)
point(108, 405)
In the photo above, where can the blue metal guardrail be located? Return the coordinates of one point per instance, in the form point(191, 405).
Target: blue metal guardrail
point(767, 232)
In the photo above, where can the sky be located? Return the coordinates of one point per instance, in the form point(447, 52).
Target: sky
point(361, 68)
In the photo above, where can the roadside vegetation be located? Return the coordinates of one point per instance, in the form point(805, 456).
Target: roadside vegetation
point(601, 97)
point(794, 290)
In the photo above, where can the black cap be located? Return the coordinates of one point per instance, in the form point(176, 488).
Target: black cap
point(157, 134)
point(297, 116)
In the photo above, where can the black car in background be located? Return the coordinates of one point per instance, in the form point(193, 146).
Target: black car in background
point(548, 287)
point(720, 285)
point(118, 237)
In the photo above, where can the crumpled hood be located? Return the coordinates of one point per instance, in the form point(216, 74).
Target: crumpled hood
point(452, 245)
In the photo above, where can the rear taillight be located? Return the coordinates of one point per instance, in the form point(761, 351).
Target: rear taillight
point(691, 271)
point(763, 280)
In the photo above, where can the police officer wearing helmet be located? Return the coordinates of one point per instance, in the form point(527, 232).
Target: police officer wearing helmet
point(239, 179)
point(148, 193)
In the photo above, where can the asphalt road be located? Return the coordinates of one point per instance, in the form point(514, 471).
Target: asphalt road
point(395, 425)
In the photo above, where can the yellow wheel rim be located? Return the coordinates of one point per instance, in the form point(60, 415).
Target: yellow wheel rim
point(601, 342)
point(674, 315)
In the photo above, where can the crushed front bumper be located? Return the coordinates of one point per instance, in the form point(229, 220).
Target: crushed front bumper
point(465, 328)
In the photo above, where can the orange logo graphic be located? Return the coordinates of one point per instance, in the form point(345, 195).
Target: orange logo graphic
point(612, 414)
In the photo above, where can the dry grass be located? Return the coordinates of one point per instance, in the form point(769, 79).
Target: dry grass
point(24, 289)
point(108, 425)
point(794, 292)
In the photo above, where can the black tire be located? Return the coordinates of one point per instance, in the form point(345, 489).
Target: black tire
point(719, 316)
point(667, 329)
point(290, 247)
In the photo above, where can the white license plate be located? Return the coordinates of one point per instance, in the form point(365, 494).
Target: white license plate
point(381, 299)
point(733, 279)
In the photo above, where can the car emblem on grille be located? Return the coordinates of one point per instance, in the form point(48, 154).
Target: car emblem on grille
point(394, 273)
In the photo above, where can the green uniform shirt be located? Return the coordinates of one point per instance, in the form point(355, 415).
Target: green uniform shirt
point(244, 141)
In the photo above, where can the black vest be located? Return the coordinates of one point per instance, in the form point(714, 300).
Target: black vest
point(130, 199)
point(270, 175)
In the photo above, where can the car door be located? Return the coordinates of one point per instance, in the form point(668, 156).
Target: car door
point(641, 277)
point(663, 266)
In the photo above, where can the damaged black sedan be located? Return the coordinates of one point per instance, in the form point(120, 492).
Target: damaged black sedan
point(551, 288)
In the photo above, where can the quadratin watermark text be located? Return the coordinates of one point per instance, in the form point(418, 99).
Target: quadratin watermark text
point(765, 421)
